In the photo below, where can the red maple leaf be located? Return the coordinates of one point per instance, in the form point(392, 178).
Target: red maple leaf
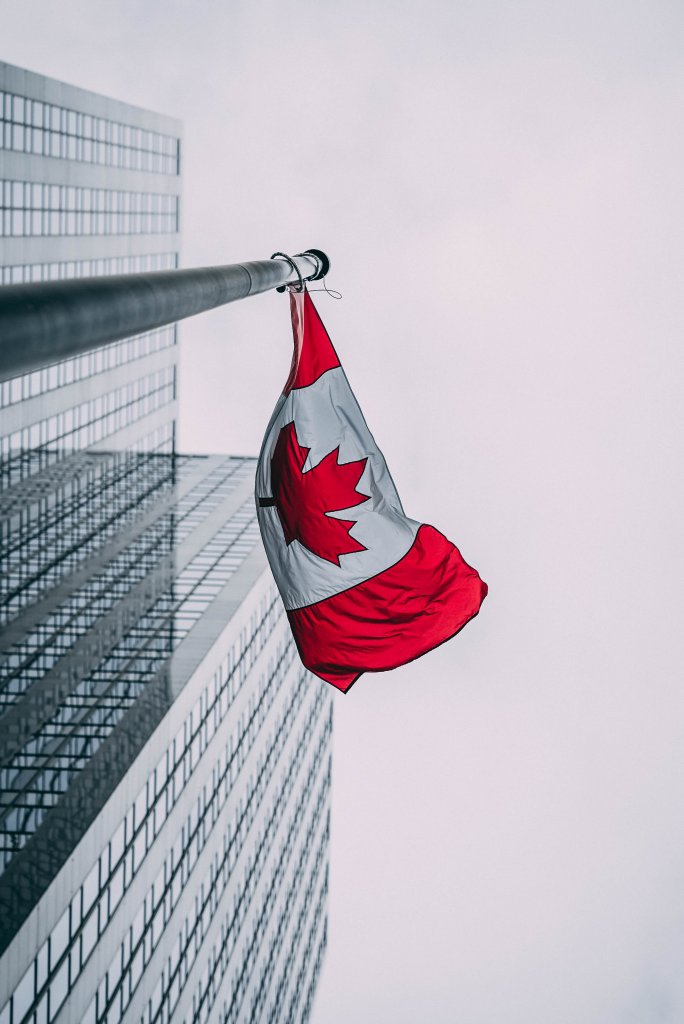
point(304, 499)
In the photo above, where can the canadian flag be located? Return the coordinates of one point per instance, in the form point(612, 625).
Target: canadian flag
point(366, 589)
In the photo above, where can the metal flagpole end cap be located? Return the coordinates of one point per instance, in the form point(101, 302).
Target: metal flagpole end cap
point(321, 259)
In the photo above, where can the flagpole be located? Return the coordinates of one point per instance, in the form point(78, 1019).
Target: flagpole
point(44, 322)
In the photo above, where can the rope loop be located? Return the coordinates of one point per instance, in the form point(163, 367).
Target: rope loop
point(288, 259)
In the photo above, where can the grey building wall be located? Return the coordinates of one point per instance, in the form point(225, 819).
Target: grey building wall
point(181, 873)
point(164, 758)
point(88, 186)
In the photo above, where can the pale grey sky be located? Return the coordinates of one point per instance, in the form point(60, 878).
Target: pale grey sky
point(498, 186)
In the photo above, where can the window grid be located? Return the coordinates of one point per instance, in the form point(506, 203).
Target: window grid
point(318, 960)
point(30, 209)
point(64, 953)
point(32, 657)
point(39, 550)
point(90, 364)
point(45, 129)
point(210, 891)
point(26, 273)
point(27, 503)
point(305, 957)
point(29, 450)
point(40, 648)
point(221, 955)
point(65, 744)
point(277, 932)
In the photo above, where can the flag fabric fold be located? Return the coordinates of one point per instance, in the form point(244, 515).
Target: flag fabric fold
point(366, 589)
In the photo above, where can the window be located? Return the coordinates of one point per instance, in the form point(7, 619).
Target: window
point(24, 994)
point(59, 988)
point(59, 938)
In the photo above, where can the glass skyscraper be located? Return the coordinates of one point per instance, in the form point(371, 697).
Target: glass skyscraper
point(164, 758)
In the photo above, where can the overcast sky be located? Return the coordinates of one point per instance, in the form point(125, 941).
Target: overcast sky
point(498, 186)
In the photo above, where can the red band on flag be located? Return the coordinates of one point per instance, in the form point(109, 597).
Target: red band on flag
point(392, 618)
point(311, 360)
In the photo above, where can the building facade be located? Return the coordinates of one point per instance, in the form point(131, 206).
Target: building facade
point(164, 758)
point(87, 186)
